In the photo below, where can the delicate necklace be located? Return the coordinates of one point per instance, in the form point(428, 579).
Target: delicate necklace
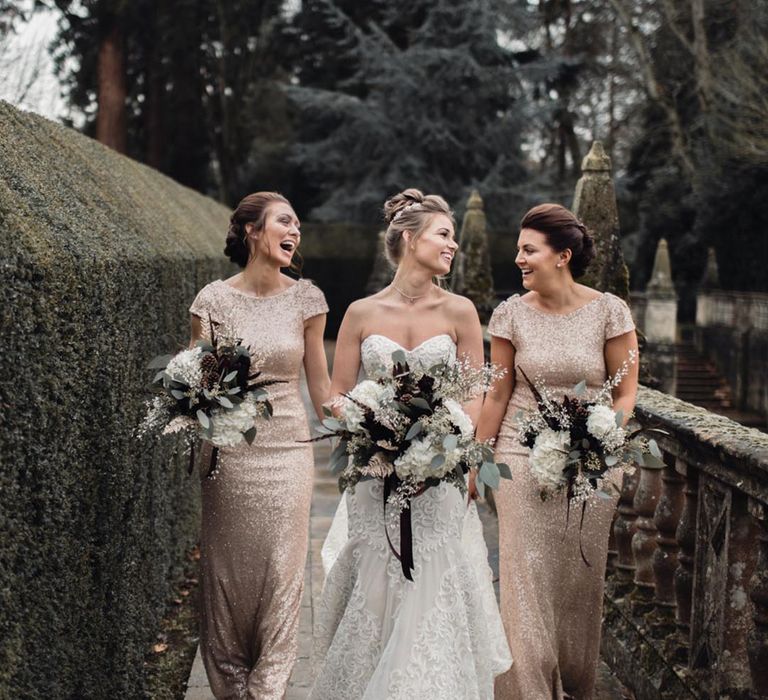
point(408, 297)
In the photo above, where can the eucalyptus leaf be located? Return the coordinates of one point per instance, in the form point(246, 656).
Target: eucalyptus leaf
point(250, 435)
point(611, 460)
point(179, 395)
point(489, 474)
point(332, 424)
point(234, 390)
point(653, 448)
point(450, 442)
point(339, 457)
point(160, 362)
point(224, 401)
point(619, 418)
point(581, 388)
point(159, 376)
point(437, 461)
point(230, 376)
point(480, 486)
point(327, 412)
point(504, 471)
point(414, 430)
point(203, 418)
point(418, 402)
point(399, 358)
point(651, 461)
point(260, 394)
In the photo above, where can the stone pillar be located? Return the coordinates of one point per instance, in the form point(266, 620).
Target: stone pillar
point(644, 540)
point(758, 594)
point(665, 563)
point(473, 277)
point(594, 202)
point(660, 323)
point(381, 274)
point(624, 529)
point(686, 538)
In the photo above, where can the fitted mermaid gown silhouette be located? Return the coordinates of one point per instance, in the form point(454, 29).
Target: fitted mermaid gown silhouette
point(551, 602)
point(381, 636)
point(254, 533)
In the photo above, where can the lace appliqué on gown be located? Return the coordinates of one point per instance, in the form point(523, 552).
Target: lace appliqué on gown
point(380, 636)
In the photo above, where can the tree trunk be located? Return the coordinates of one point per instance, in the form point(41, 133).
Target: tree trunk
point(111, 117)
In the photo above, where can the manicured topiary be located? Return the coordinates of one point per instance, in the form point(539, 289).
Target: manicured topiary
point(100, 257)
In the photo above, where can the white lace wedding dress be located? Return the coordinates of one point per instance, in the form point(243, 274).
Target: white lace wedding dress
point(379, 636)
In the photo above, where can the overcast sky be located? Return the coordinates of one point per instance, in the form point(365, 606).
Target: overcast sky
point(27, 79)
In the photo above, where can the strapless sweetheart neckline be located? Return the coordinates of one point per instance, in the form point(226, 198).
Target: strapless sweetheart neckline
point(402, 347)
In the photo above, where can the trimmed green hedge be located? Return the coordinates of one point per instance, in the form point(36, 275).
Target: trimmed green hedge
point(100, 259)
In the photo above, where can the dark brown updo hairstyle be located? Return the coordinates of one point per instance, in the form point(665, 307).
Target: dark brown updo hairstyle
point(563, 231)
point(410, 210)
point(251, 209)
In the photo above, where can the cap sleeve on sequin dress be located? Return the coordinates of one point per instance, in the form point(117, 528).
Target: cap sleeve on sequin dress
point(619, 318)
point(312, 300)
point(502, 323)
point(203, 304)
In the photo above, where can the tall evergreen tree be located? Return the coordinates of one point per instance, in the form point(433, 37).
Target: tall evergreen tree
point(187, 73)
point(403, 94)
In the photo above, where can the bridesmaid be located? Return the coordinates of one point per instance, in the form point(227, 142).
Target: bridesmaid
point(559, 332)
point(256, 510)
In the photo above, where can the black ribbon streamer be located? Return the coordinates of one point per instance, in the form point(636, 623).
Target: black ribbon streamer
point(581, 526)
point(405, 557)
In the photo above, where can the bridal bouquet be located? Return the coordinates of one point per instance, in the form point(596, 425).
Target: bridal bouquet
point(210, 392)
point(576, 441)
point(409, 429)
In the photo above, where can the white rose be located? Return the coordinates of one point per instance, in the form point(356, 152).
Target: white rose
point(549, 455)
point(602, 424)
point(459, 418)
point(372, 395)
point(601, 421)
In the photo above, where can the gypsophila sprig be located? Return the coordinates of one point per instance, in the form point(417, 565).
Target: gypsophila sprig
point(210, 392)
point(408, 428)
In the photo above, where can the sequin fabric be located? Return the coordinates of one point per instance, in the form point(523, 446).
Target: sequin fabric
point(551, 602)
point(379, 636)
point(256, 510)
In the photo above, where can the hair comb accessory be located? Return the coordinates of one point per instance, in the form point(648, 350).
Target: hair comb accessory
point(409, 207)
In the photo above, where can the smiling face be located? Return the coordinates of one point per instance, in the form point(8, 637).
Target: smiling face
point(435, 247)
point(278, 240)
point(542, 266)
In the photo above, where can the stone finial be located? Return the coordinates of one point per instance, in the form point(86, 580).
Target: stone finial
point(597, 160)
point(594, 202)
point(711, 279)
point(473, 266)
point(660, 283)
point(381, 273)
point(475, 201)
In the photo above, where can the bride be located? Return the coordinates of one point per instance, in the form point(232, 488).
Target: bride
point(379, 636)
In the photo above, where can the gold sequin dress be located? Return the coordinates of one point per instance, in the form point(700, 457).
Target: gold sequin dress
point(256, 510)
point(551, 602)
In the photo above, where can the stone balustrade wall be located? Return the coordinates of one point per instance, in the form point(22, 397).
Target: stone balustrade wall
point(687, 586)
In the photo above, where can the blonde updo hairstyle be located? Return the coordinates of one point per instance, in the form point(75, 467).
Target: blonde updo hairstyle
point(410, 210)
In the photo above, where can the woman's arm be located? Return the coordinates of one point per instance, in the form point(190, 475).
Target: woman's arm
point(346, 358)
point(617, 351)
point(497, 398)
point(315, 362)
point(469, 345)
point(195, 330)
